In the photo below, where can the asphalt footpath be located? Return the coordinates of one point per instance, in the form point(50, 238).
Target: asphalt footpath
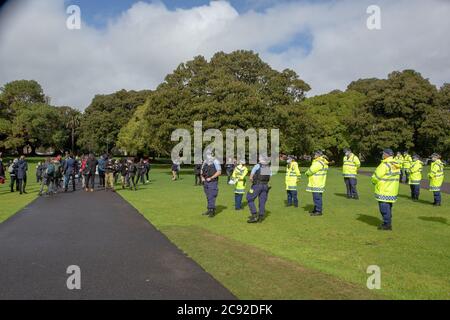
point(118, 253)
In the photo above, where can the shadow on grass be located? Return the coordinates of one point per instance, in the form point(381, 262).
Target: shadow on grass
point(435, 219)
point(418, 201)
point(219, 209)
point(308, 208)
point(370, 220)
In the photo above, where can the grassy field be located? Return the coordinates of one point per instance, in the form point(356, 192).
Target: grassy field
point(11, 202)
point(294, 256)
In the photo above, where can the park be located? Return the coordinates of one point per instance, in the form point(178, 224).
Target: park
point(105, 177)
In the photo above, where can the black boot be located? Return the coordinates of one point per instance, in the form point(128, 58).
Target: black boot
point(316, 214)
point(253, 219)
point(385, 227)
point(212, 213)
point(206, 213)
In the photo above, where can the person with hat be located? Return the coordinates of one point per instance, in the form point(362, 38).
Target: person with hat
point(415, 177)
point(291, 180)
point(317, 177)
point(386, 182)
point(210, 172)
point(238, 177)
point(260, 177)
point(350, 168)
point(407, 161)
point(436, 177)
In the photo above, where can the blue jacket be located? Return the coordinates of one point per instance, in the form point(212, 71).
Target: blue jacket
point(22, 167)
point(70, 166)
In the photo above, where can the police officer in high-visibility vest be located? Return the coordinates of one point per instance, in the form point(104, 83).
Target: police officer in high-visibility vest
point(317, 177)
point(407, 161)
point(415, 177)
point(260, 177)
point(292, 177)
point(239, 179)
point(436, 177)
point(350, 168)
point(386, 181)
point(210, 172)
point(399, 159)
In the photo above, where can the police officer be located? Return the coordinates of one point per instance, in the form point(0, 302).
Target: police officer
point(260, 177)
point(239, 177)
point(317, 177)
point(436, 177)
point(407, 161)
point(399, 159)
point(415, 177)
point(386, 181)
point(210, 171)
point(350, 167)
point(292, 176)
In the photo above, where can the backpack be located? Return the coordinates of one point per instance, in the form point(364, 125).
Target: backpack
point(50, 170)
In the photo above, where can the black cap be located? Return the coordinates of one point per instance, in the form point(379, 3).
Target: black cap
point(388, 152)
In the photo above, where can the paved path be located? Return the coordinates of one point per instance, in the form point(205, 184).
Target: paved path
point(424, 184)
point(121, 255)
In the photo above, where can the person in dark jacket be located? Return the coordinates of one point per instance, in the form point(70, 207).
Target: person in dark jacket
point(101, 170)
point(2, 170)
point(147, 169)
point(70, 169)
point(132, 171)
point(198, 174)
point(124, 173)
point(91, 165)
point(22, 168)
point(12, 169)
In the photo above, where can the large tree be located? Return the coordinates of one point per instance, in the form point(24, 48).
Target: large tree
point(236, 90)
point(105, 116)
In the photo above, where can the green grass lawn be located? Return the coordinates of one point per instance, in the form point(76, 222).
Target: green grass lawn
point(294, 256)
point(11, 202)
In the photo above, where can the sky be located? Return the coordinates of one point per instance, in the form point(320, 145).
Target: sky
point(133, 45)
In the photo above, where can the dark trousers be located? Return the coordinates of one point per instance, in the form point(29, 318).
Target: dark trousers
point(90, 178)
point(198, 179)
point(386, 212)
point(292, 197)
point(147, 175)
point(132, 182)
point(406, 176)
point(211, 190)
point(402, 172)
point(350, 184)
point(437, 197)
point(317, 198)
point(415, 191)
point(238, 200)
point(67, 178)
point(101, 176)
point(260, 191)
point(22, 184)
point(14, 181)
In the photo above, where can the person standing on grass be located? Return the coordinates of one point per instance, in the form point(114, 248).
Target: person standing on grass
point(386, 182)
point(210, 172)
point(407, 161)
point(147, 169)
point(175, 170)
point(141, 172)
point(12, 169)
point(239, 178)
point(197, 174)
point(22, 168)
point(2, 170)
point(415, 177)
point(91, 165)
point(109, 173)
point(350, 168)
point(436, 177)
point(124, 173)
point(229, 168)
point(317, 178)
point(399, 159)
point(260, 177)
point(132, 172)
point(291, 180)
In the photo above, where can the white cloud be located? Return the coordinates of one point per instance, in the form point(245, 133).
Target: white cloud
point(138, 48)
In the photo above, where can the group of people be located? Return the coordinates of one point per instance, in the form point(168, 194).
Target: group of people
point(58, 173)
point(386, 180)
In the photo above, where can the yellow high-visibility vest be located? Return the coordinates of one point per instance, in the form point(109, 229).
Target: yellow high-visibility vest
point(292, 175)
point(239, 174)
point(436, 175)
point(350, 166)
point(416, 172)
point(317, 175)
point(386, 180)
